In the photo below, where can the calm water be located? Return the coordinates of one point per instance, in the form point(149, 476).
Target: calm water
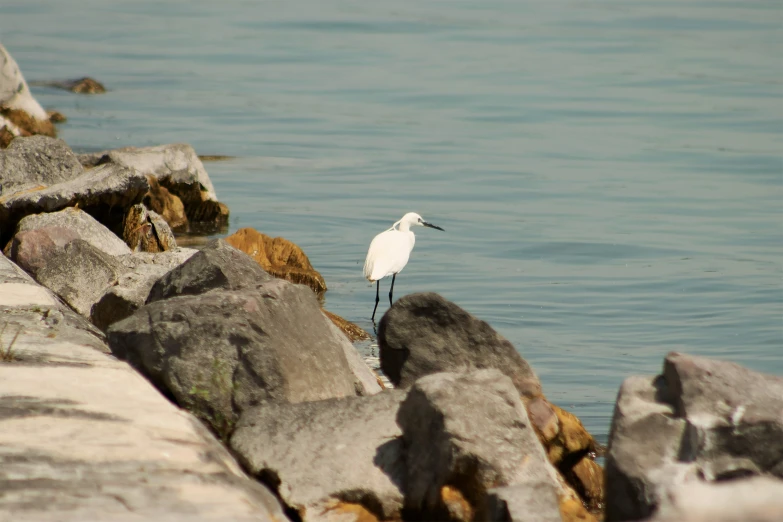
point(610, 174)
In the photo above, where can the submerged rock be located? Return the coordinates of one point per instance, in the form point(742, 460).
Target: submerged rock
point(279, 257)
point(701, 420)
point(424, 333)
point(84, 85)
point(338, 459)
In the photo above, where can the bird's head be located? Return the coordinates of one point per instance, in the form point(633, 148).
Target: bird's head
point(413, 219)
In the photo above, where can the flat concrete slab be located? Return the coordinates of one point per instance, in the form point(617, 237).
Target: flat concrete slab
point(84, 437)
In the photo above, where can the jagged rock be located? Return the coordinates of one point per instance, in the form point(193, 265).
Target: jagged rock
point(224, 351)
point(217, 265)
point(169, 206)
point(279, 257)
point(146, 231)
point(132, 287)
point(424, 333)
point(756, 499)
point(321, 455)
point(33, 248)
point(82, 224)
point(469, 431)
point(104, 192)
point(22, 113)
point(701, 419)
point(177, 168)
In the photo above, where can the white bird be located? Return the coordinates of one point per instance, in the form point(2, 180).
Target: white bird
point(389, 253)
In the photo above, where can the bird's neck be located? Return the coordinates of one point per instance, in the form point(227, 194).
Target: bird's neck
point(403, 226)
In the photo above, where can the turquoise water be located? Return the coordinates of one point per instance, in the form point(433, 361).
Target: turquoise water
point(609, 174)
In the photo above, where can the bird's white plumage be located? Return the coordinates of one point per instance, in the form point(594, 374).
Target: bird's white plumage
point(388, 254)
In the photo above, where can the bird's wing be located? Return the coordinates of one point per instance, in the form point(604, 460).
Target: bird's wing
point(388, 254)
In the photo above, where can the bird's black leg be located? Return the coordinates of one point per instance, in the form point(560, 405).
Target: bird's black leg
point(391, 290)
point(377, 289)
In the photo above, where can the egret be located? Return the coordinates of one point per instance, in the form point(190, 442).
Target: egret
point(389, 252)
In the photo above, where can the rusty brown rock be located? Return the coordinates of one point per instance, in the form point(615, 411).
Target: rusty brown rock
point(571, 510)
point(457, 506)
point(27, 124)
point(351, 331)
point(5, 136)
point(145, 231)
point(587, 478)
point(83, 86)
point(208, 211)
point(56, 116)
point(343, 512)
point(278, 256)
point(569, 447)
point(168, 205)
point(572, 437)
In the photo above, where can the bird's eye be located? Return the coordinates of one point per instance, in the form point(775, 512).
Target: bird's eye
point(420, 220)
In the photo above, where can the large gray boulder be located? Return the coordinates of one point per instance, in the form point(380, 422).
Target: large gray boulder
point(224, 351)
point(469, 432)
point(701, 420)
point(84, 225)
point(424, 333)
point(217, 265)
point(323, 456)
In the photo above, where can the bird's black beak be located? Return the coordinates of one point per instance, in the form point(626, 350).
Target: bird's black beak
point(430, 225)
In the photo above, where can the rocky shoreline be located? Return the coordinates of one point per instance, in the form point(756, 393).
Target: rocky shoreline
point(144, 381)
